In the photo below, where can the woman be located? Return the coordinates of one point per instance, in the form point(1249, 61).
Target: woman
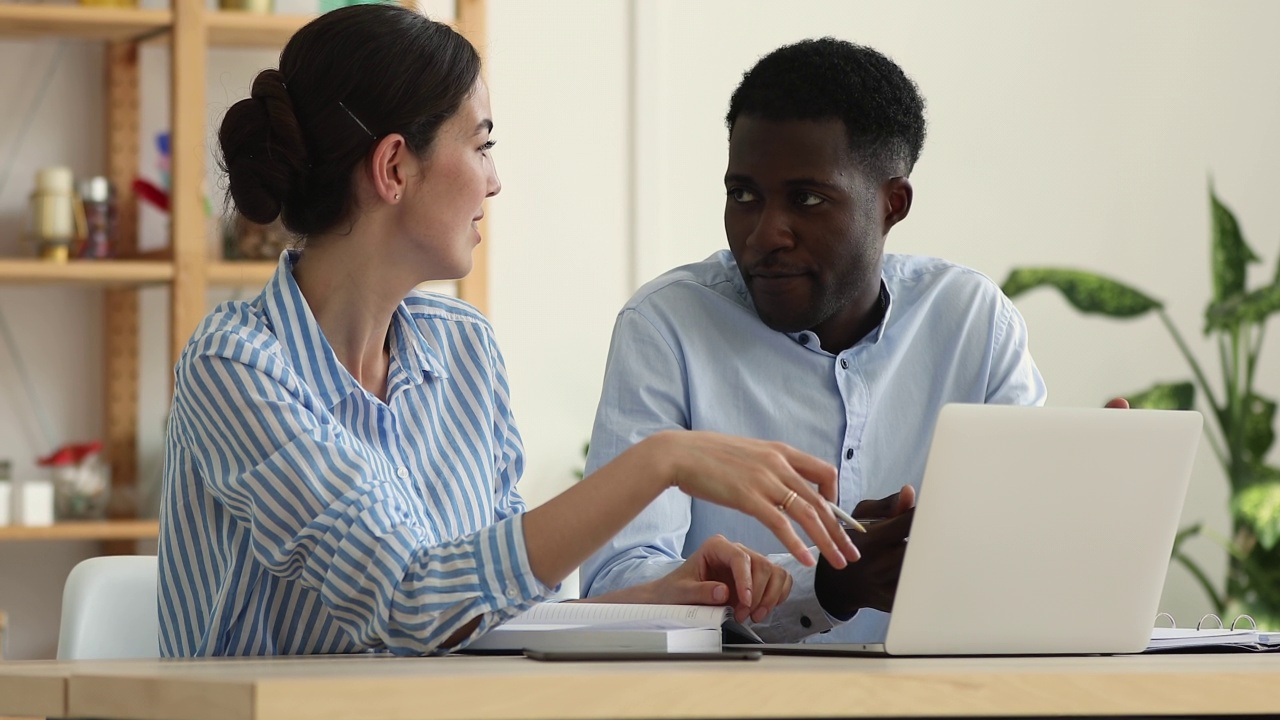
point(341, 459)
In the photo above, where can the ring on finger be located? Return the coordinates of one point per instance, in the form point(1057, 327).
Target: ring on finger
point(791, 496)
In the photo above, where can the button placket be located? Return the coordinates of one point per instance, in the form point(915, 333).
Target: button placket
point(853, 391)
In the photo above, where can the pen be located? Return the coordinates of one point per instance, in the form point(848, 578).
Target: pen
point(846, 518)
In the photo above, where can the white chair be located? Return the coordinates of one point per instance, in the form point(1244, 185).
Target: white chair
point(109, 609)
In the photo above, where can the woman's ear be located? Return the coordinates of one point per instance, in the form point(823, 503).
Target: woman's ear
point(897, 195)
point(389, 168)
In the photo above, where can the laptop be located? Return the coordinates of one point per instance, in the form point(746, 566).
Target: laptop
point(1040, 531)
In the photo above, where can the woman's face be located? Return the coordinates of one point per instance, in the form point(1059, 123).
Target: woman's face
point(446, 200)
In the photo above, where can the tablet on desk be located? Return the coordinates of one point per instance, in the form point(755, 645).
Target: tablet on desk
point(633, 656)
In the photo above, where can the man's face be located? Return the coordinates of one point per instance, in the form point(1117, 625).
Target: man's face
point(804, 223)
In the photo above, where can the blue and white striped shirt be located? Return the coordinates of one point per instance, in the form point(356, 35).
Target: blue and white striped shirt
point(689, 351)
point(301, 514)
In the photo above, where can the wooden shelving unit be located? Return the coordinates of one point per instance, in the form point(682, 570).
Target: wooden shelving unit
point(188, 267)
point(19, 20)
point(86, 272)
point(233, 29)
point(241, 272)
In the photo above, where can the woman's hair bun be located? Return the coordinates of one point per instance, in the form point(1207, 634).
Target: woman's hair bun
point(263, 150)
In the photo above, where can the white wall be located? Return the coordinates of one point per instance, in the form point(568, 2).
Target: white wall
point(1062, 132)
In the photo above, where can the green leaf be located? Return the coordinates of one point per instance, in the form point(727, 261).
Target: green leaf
point(1184, 534)
point(1088, 292)
point(1258, 506)
point(1164, 396)
point(1259, 428)
point(1254, 307)
point(1231, 254)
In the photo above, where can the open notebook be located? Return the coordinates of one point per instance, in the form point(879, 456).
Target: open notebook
point(608, 627)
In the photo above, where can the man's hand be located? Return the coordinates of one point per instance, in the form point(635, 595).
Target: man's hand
point(724, 573)
point(872, 581)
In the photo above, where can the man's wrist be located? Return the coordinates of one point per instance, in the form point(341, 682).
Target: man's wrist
point(831, 593)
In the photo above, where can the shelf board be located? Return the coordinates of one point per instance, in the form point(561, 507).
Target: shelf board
point(230, 28)
point(85, 530)
point(86, 22)
point(85, 272)
point(241, 272)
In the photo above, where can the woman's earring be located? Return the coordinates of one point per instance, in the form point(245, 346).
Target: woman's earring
point(397, 196)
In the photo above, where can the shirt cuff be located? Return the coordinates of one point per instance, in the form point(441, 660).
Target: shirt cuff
point(800, 615)
point(502, 566)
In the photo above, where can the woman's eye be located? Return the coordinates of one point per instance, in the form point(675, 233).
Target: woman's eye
point(741, 195)
point(488, 146)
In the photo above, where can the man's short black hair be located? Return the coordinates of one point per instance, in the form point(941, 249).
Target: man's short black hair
point(830, 79)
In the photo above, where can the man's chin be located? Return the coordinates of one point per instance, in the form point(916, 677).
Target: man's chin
point(784, 324)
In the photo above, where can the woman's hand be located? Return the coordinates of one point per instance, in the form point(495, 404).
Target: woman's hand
point(770, 481)
point(723, 573)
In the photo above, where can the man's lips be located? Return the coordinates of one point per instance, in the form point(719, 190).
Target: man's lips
point(777, 273)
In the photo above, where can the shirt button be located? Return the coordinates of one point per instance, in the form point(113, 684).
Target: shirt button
point(848, 454)
point(402, 472)
point(804, 339)
point(844, 364)
point(805, 621)
point(511, 593)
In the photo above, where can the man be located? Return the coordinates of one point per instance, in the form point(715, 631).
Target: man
point(805, 332)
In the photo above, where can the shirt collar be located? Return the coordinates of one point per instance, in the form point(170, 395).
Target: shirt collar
point(810, 340)
point(307, 350)
point(411, 350)
point(805, 337)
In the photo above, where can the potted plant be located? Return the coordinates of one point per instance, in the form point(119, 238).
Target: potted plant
point(1241, 420)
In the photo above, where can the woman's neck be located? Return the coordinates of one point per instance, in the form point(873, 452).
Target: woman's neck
point(353, 302)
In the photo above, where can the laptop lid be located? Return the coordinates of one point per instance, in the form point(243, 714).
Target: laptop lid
point(1042, 530)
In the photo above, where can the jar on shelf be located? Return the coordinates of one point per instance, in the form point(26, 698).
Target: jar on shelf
point(80, 481)
point(262, 7)
point(54, 213)
point(99, 201)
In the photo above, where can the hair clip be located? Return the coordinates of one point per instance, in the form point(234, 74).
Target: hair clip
point(353, 117)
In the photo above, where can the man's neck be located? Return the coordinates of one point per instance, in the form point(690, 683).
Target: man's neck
point(836, 340)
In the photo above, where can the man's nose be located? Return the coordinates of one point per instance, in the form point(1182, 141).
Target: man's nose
point(772, 232)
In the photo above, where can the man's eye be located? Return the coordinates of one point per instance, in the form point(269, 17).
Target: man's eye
point(741, 195)
point(808, 199)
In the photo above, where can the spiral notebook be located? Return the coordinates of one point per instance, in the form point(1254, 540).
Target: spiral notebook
point(1210, 634)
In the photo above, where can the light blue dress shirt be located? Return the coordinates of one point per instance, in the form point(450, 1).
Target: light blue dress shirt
point(690, 352)
point(301, 514)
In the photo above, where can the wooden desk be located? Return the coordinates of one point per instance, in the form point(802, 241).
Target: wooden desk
point(372, 688)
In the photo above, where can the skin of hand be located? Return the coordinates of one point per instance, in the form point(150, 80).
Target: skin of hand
point(756, 478)
point(752, 476)
point(871, 582)
point(720, 572)
point(1118, 403)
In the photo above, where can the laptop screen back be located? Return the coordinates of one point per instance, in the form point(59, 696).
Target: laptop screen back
point(1042, 530)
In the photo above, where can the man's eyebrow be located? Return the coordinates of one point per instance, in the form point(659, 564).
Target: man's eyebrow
point(812, 182)
point(801, 182)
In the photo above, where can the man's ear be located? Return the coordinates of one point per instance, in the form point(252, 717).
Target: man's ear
point(897, 194)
